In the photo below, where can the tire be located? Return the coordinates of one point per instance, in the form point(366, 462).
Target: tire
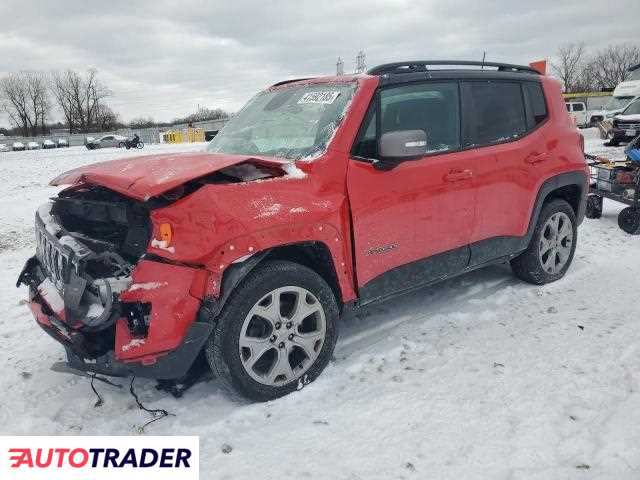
point(549, 255)
point(629, 220)
point(594, 206)
point(122, 145)
point(230, 349)
point(140, 145)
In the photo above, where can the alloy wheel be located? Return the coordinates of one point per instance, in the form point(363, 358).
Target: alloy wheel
point(555, 243)
point(282, 335)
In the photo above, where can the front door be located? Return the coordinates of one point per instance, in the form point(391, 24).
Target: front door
point(411, 224)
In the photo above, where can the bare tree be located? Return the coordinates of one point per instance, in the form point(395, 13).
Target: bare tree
point(142, 122)
point(38, 97)
point(14, 101)
point(106, 119)
point(569, 65)
point(80, 98)
point(610, 66)
point(25, 98)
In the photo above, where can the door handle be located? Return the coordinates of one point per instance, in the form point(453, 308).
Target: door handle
point(537, 158)
point(458, 175)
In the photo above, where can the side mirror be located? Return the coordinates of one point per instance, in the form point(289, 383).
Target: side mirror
point(401, 145)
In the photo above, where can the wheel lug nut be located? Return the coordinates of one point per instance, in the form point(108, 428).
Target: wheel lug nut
point(289, 325)
point(273, 338)
point(281, 345)
point(278, 325)
point(291, 336)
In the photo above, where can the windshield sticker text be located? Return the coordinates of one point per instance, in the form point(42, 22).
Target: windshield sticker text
point(319, 97)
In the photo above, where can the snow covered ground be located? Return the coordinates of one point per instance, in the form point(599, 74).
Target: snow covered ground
point(480, 377)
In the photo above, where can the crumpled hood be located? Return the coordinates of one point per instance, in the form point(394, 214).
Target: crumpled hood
point(148, 176)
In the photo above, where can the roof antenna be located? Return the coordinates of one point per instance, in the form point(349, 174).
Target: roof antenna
point(484, 54)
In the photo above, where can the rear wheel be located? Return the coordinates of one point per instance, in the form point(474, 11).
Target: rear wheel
point(276, 332)
point(122, 145)
point(629, 220)
point(594, 206)
point(552, 245)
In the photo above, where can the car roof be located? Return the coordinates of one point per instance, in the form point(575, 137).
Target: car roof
point(417, 70)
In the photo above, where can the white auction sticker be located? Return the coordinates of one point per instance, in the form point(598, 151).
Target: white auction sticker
point(99, 457)
point(319, 97)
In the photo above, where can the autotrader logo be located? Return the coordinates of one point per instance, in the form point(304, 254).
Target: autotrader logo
point(99, 457)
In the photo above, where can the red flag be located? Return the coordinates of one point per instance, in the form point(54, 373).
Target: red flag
point(540, 66)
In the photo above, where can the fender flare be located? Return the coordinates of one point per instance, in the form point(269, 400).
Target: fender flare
point(575, 178)
point(233, 275)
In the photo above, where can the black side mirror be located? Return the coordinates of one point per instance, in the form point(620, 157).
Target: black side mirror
point(400, 145)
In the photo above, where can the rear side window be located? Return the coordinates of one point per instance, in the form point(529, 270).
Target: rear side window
point(536, 105)
point(494, 112)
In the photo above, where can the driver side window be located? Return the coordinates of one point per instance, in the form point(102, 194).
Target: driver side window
point(430, 107)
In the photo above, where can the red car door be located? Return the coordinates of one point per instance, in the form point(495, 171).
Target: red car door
point(412, 223)
point(508, 146)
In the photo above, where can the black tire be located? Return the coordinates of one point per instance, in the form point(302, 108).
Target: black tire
point(222, 348)
point(594, 206)
point(528, 265)
point(140, 145)
point(122, 145)
point(629, 220)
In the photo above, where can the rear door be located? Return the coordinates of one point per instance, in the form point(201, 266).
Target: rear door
point(411, 224)
point(510, 151)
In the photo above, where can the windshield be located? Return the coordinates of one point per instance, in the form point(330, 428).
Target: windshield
point(617, 103)
point(635, 75)
point(293, 123)
point(633, 109)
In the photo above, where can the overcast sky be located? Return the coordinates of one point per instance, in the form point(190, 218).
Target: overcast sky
point(163, 58)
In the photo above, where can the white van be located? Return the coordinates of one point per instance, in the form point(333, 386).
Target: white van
point(578, 113)
point(625, 93)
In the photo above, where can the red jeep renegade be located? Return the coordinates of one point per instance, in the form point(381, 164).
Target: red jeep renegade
point(319, 195)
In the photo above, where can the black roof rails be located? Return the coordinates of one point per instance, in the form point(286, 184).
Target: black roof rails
point(421, 66)
point(284, 82)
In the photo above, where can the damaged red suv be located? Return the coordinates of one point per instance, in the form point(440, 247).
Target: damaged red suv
point(320, 195)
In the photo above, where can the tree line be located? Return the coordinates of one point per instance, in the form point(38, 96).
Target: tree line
point(29, 98)
point(582, 71)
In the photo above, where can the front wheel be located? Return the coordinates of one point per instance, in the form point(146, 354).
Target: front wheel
point(276, 332)
point(552, 245)
point(140, 145)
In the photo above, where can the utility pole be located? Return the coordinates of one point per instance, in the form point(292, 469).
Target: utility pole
point(339, 67)
point(361, 62)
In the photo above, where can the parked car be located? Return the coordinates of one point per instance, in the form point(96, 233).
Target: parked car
point(18, 146)
point(62, 142)
point(48, 144)
point(4, 147)
point(33, 146)
point(107, 141)
point(626, 126)
point(318, 197)
point(578, 113)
